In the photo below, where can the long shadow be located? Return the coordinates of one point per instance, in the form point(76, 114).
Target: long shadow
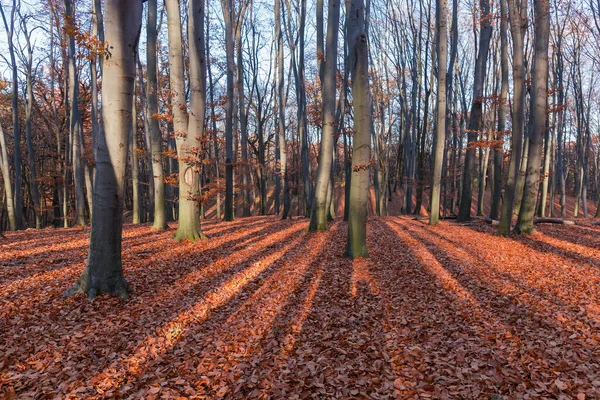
point(207, 310)
point(538, 244)
point(40, 278)
point(575, 235)
point(442, 341)
point(246, 337)
point(328, 344)
point(147, 322)
point(60, 258)
point(15, 302)
point(563, 300)
point(522, 318)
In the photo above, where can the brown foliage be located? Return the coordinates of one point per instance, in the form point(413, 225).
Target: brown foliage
point(264, 309)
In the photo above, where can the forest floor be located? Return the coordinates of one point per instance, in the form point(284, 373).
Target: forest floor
point(263, 309)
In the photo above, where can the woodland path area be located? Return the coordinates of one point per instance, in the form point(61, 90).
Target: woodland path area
point(265, 309)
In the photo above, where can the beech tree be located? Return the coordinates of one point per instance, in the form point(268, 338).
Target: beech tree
point(359, 183)
point(160, 220)
point(440, 128)
point(539, 108)
point(320, 206)
point(104, 271)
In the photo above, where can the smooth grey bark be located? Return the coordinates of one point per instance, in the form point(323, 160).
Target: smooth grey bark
point(135, 180)
point(103, 271)
point(475, 121)
point(440, 127)
point(545, 174)
point(283, 173)
point(517, 17)
point(35, 195)
point(9, 26)
point(358, 53)
point(228, 14)
point(75, 124)
point(243, 117)
point(539, 115)
point(213, 118)
point(188, 146)
point(5, 169)
point(502, 110)
point(146, 137)
point(318, 219)
point(302, 114)
point(160, 218)
point(60, 165)
point(560, 168)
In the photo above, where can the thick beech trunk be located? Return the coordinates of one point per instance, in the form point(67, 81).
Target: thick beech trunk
point(103, 271)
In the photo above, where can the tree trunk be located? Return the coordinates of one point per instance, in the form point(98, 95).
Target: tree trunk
point(539, 107)
point(440, 127)
point(475, 121)
point(135, 180)
point(214, 122)
point(283, 173)
point(318, 219)
point(517, 13)
point(4, 164)
point(228, 12)
point(502, 109)
point(160, 219)
point(75, 125)
point(243, 125)
point(188, 146)
point(103, 271)
point(28, 116)
point(359, 187)
point(9, 26)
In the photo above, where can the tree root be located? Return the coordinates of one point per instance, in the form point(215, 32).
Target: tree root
point(121, 289)
point(191, 236)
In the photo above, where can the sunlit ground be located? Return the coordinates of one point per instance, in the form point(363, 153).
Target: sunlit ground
point(263, 309)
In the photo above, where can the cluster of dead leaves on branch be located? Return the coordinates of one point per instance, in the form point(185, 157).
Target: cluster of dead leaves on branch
point(264, 309)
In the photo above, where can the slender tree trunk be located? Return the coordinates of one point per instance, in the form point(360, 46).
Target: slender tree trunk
point(228, 13)
point(188, 146)
point(103, 271)
point(28, 116)
point(160, 219)
point(9, 26)
point(517, 13)
point(359, 187)
point(75, 125)
point(502, 110)
point(243, 125)
point(4, 164)
point(318, 220)
point(539, 107)
point(475, 121)
point(283, 173)
point(213, 119)
point(135, 180)
point(440, 127)
point(302, 114)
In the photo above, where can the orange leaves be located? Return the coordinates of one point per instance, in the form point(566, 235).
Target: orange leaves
point(90, 46)
point(263, 309)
